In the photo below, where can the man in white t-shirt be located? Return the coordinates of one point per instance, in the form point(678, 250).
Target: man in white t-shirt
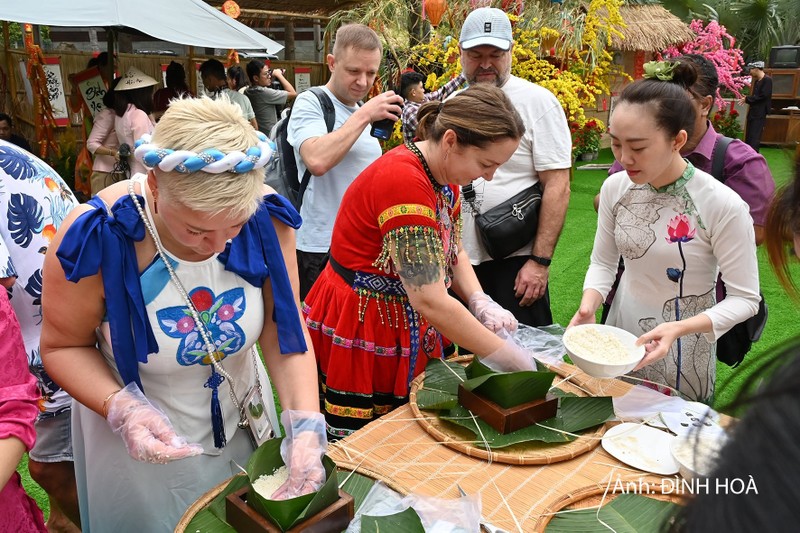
point(336, 158)
point(212, 72)
point(519, 281)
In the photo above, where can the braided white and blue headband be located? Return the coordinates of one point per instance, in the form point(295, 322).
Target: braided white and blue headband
point(209, 160)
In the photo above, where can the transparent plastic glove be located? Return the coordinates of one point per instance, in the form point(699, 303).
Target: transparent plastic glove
point(302, 451)
point(146, 431)
point(511, 357)
point(490, 313)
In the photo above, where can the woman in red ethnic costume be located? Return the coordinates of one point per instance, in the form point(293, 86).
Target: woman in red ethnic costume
point(379, 310)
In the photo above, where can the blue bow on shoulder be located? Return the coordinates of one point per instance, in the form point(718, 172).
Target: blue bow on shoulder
point(99, 241)
point(95, 241)
point(256, 254)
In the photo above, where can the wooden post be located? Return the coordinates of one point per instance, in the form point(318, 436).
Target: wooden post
point(288, 40)
point(12, 72)
point(191, 71)
point(326, 46)
point(317, 42)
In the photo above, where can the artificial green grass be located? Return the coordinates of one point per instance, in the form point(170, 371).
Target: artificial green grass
point(571, 261)
point(32, 488)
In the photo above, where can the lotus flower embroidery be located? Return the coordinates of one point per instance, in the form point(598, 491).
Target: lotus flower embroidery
point(679, 229)
point(219, 316)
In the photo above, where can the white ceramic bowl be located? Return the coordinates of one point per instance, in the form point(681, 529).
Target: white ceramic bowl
point(695, 454)
point(594, 366)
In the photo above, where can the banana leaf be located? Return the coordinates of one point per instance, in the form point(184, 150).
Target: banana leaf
point(627, 513)
point(574, 414)
point(285, 513)
point(440, 392)
point(355, 485)
point(508, 389)
point(476, 368)
point(212, 518)
point(405, 522)
point(440, 388)
point(217, 505)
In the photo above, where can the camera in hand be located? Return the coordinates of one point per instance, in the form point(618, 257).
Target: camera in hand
point(382, 129)
point(124, 154)
point(275, 83)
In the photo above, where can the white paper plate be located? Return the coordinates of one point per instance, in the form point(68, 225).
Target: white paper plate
point(694, 416)
point(641, 447)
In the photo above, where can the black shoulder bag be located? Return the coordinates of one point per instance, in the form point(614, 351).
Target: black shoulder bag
point(734, 345)
point(509, 226)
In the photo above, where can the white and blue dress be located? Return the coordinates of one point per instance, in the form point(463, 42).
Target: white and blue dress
point(150, 338)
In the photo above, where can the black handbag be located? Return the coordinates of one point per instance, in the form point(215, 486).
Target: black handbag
point(734, 345)
point(509, 226)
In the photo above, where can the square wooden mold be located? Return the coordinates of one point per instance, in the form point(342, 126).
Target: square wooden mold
point(505, 420)
point(333, 519)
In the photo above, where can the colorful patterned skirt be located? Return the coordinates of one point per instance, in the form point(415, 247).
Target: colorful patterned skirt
point(369, 343)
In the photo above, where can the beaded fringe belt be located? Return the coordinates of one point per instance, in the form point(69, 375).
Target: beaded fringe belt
point(391, 301)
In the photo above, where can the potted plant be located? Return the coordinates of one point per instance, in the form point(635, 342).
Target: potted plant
point(727, 123)
point(586, 139)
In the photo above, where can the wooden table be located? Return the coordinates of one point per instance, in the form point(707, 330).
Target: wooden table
point(396, 447)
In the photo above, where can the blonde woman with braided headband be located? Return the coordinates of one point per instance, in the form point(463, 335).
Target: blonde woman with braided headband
point(159, 288)
point(676, 227)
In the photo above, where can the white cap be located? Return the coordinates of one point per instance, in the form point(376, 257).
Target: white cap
point(756, 64)
point(486, 25)
point(134, 79)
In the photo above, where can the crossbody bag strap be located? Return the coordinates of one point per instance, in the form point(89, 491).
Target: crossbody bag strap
point(468, 195)
point(718, 158)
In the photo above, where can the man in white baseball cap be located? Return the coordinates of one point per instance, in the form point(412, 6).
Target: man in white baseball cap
point(517, 282)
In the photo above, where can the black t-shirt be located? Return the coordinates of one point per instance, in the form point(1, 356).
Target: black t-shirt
point(21, 142)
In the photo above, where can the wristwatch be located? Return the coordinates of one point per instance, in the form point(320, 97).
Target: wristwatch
point(544, 261)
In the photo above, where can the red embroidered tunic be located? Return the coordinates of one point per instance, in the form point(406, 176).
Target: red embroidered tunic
point(368, 340)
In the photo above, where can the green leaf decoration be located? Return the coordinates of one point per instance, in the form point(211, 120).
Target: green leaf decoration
point(627, 513)
point(574, 414)
point(285, 513)
point(406, 522)
point(508, 389)
point(440, 389)
point(661, 70)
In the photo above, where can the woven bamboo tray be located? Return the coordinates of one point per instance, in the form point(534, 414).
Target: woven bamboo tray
point(529, 453)
point(201, 504)
point(594, 495)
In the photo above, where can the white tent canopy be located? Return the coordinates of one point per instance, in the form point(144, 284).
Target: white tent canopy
point(188, 22)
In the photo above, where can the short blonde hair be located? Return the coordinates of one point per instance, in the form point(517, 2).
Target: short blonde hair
point(356, 36)
point(198, 124)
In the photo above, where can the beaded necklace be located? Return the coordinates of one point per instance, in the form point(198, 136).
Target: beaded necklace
point(448, 228)
point(437, 188)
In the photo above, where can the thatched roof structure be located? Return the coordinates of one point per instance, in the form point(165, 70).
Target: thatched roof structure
point(650, 28)
point(255, 9)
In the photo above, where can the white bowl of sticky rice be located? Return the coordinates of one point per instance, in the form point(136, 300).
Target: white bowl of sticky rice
point(602, 351)
point(697, 454)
